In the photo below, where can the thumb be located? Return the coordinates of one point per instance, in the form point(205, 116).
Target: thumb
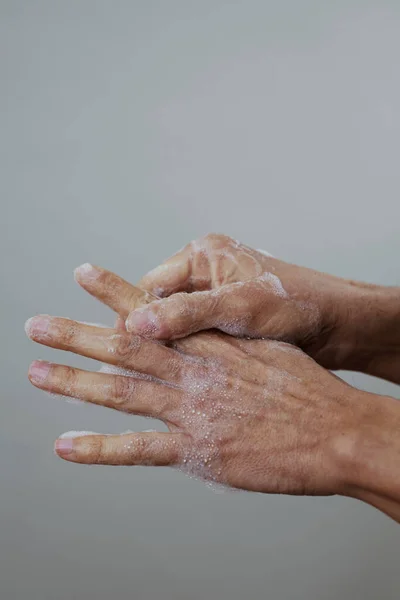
point(179, 315)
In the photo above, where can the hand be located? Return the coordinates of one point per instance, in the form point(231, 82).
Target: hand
point(216, 282)
point(258, 415)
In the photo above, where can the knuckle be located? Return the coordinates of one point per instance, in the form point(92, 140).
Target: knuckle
point(180, 313)
point(95, 449)
point(70, 378)
point(214, 240)
point(212, 237)
point(174, 368)
point(105, 279)
point(67, 332)
point(140, 449)
point(180, 301)
point(126, 347)
point(180, 304)
point(123, 389)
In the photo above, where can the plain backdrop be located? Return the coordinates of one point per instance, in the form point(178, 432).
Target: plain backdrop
point(128, 128)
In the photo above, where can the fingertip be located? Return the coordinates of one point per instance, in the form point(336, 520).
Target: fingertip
point(86, 273)
point(69, 445)
point(38, 372)
point(63, 447)
point(36, 328)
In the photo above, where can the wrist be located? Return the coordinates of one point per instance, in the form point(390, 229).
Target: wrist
point(370, 329)
point(370, 456)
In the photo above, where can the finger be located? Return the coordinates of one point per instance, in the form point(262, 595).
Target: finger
point(192, 269)
point(120, 324)
point(213, 346)
point(173, 275)
point(181, 314)
point(115, 292)
point(151, 449)
point(124, 393)
point(121, 349)
point(121, 304)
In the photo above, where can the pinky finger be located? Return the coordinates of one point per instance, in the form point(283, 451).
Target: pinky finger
point(147, 448)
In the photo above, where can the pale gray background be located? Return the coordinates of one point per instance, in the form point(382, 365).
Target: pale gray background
point(127, 129)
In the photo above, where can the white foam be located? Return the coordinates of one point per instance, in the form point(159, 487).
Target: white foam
point(95, 324)
point(69, 399)
point(261, 251)
point(75, 434)
point(113, 370)
point(275, 283)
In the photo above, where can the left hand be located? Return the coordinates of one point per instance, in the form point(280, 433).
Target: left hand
point(252, 414)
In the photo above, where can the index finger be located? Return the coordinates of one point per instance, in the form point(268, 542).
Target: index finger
point(173, 275)
point(112, 290)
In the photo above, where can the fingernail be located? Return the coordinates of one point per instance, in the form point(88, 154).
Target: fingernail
point(37, 326)
point(142, 320)
point(39, 370)
point(64, 446)
point(86, 272)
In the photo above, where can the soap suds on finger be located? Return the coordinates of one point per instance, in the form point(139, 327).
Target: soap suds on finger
point(75, 434)
point(261, 251)
point(275, 283)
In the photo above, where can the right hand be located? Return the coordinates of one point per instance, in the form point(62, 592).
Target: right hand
point(218, 283)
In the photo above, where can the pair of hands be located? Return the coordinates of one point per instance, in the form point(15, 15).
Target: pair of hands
point(249, 412)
